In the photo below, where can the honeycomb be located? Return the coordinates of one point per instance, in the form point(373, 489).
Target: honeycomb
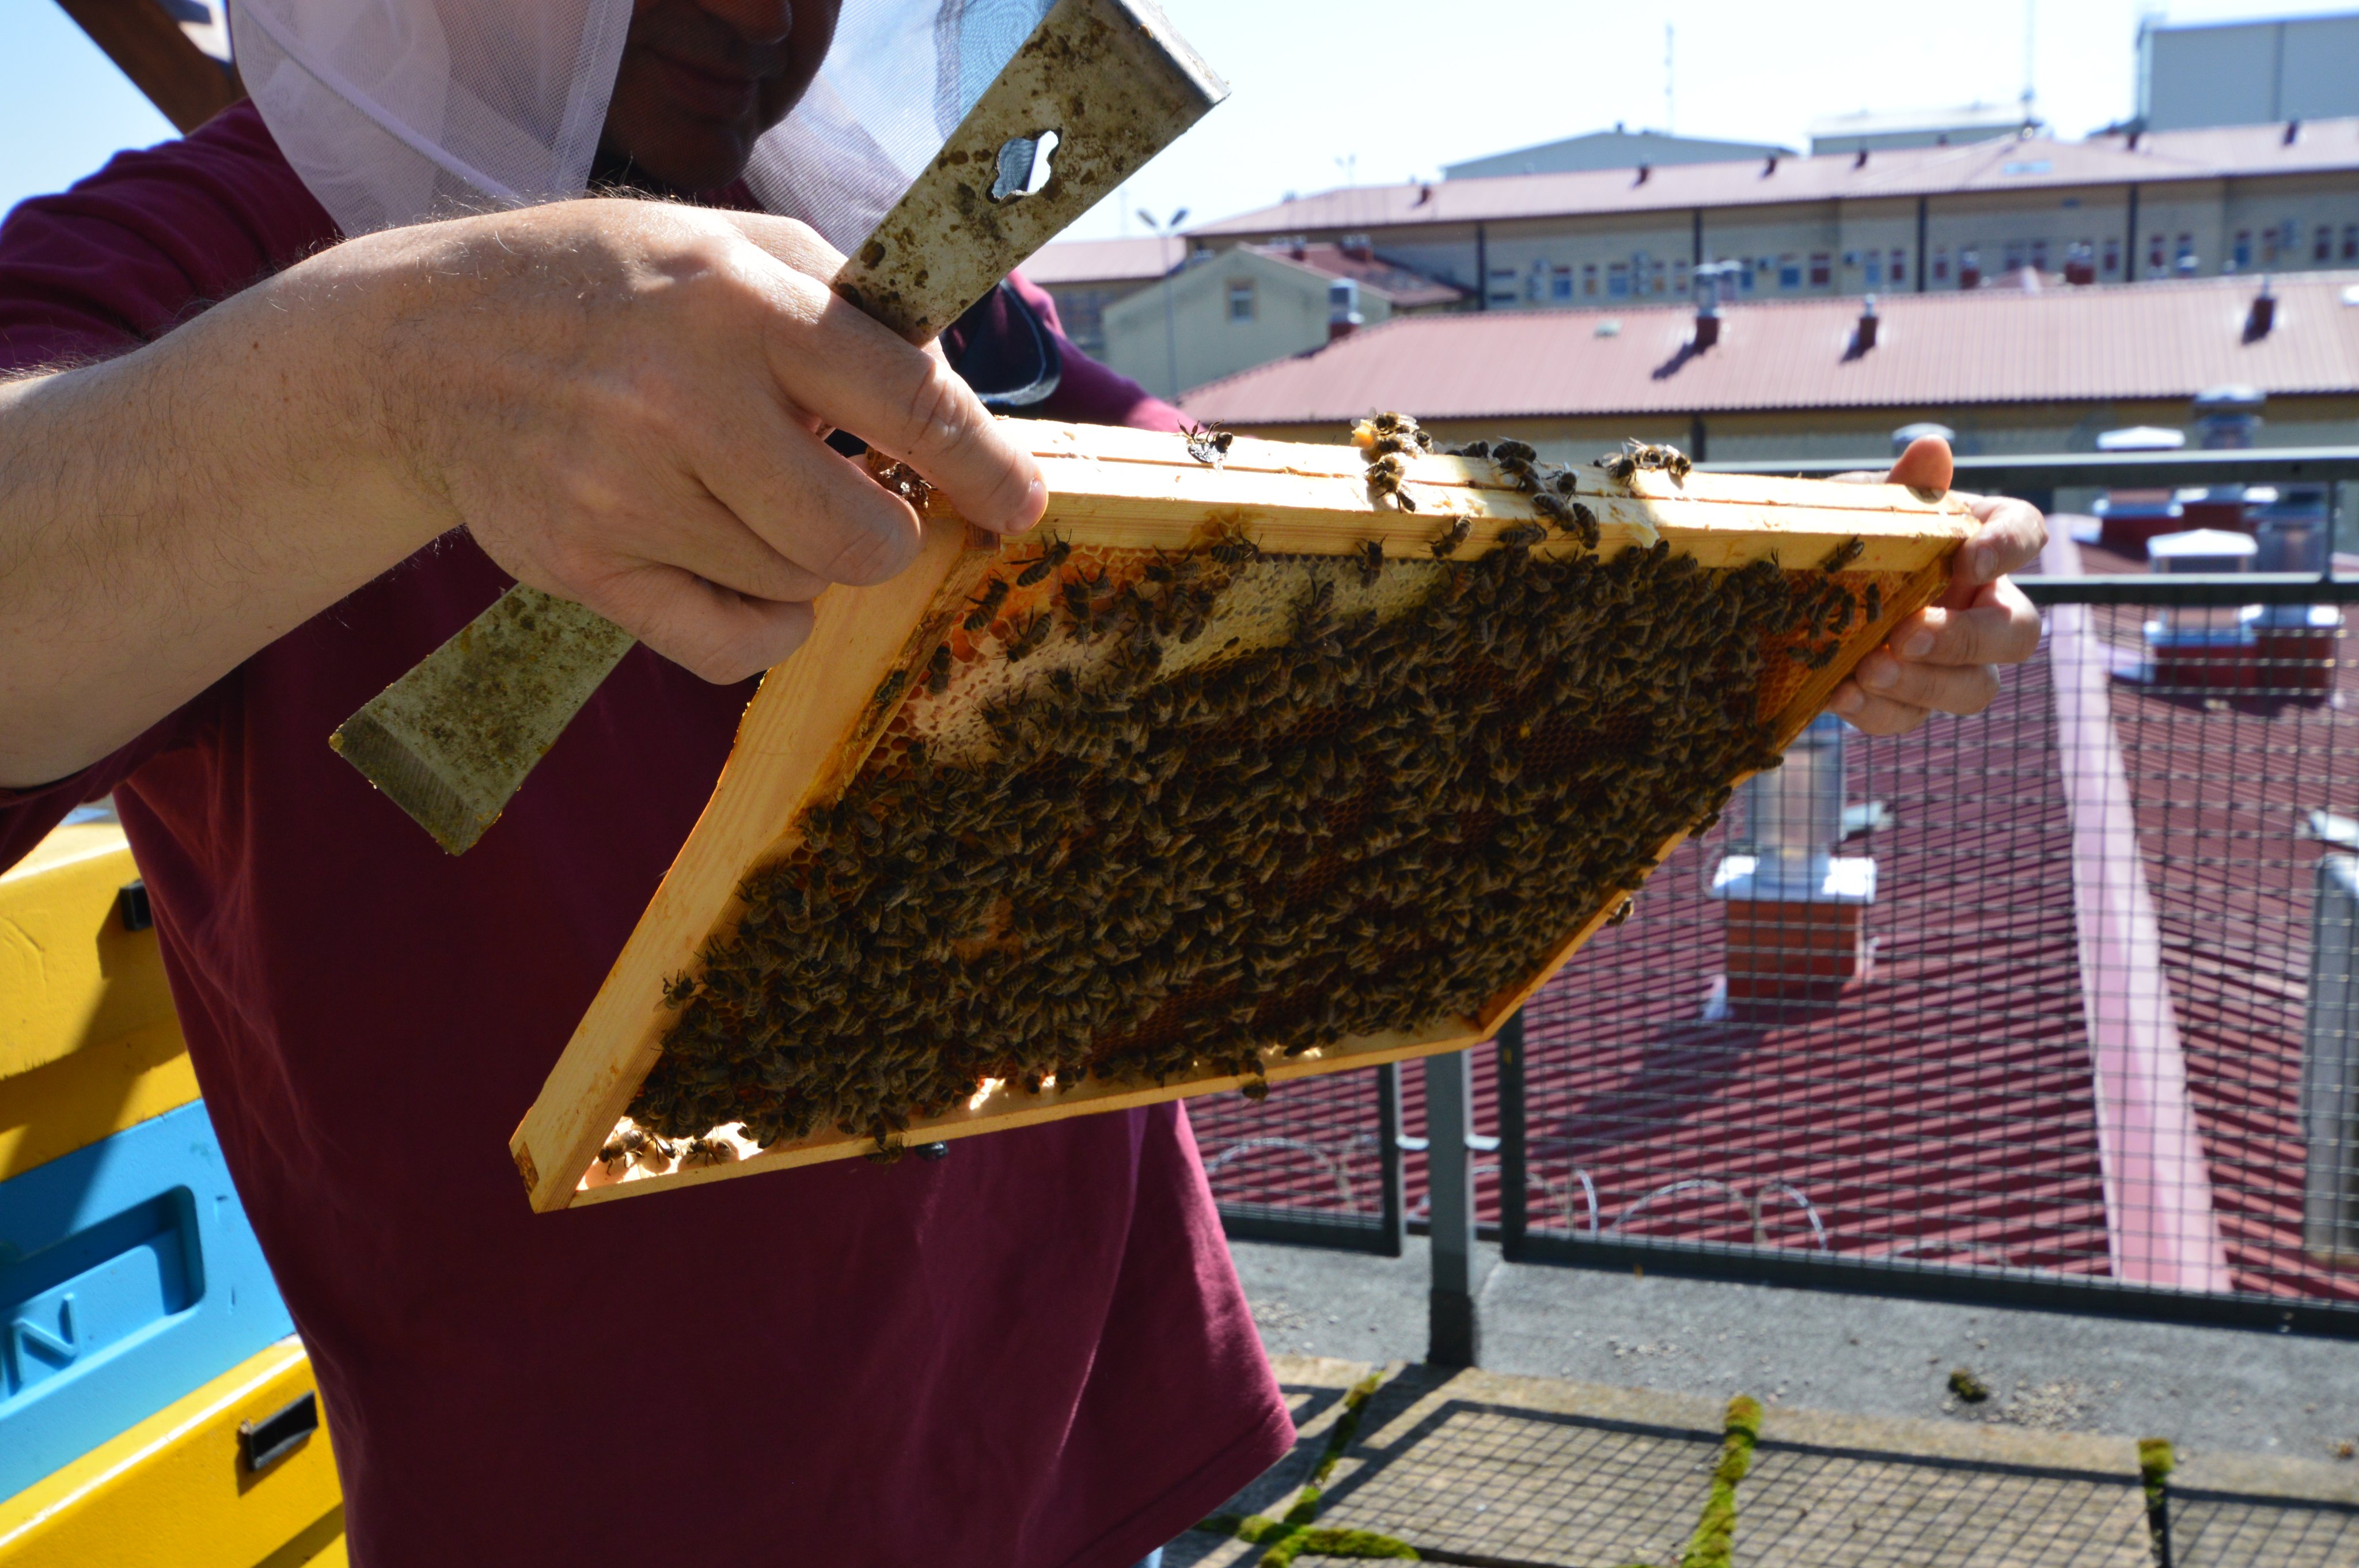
point(1143, 815)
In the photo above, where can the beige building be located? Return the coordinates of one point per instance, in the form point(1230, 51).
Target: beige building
point(2113, 209)
point(1228, 310)
point(1085, 276)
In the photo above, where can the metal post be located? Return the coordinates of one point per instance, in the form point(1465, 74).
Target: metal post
point(1388, 1121)
point(1513, 1216)
point(1452, 1337)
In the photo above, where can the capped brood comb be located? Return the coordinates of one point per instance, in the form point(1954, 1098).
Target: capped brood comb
point(1305, 759)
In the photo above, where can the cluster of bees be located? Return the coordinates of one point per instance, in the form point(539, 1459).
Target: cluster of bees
point(1379, 822)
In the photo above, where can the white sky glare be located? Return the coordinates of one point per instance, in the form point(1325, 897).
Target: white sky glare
point(1401, 88)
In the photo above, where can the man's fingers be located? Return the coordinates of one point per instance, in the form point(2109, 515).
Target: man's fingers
point(802, 499)
point(1946, 688)
point(711, 631)
point(1998, 627)
point(2012, 534)
point(836, 365)
point(1926, 465)
point(1874, 715)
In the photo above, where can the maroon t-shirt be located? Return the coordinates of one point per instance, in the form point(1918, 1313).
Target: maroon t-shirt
point(1033, 1351)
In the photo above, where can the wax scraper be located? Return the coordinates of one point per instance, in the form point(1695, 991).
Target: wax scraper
point(451, 741)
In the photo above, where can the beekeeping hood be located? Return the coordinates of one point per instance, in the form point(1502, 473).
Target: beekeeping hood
point(397, 111)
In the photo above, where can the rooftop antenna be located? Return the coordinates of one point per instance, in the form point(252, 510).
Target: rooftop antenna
point(1668, 124)
point(2030, 31)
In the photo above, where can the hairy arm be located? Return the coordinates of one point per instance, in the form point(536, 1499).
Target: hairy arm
point(624, 403)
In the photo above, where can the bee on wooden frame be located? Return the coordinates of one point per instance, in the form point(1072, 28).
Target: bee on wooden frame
point(938, 670)
point(1387, 477)
point(1209, 443)
point(1453, 537)
point(1371, 563)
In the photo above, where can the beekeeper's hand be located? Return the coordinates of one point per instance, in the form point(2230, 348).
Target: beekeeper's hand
point(1946, 658)
point(625, 404)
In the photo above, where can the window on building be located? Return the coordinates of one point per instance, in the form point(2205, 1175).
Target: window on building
point(1589, 279)
point(1618, 280)
point(1789, 271)
point(1969, 268)
point(1241, 299)
point(2269, 247)
point(1745, 274)
point(2157, 258)
point(2184, 259)
point(1560, 282)
point(2351, 242)
point(2039, 256)
point(1503, 289)
point(2013, 256)
point(1940, 264)
point(2321, 244)
point(1895, 267)
point(1680, 275)
point(1822, 269)
point(2240, 254)
point(1655, 284)
point(2112, 263)
point(1874, 265)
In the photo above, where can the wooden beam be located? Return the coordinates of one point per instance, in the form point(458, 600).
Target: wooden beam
point(188, 85)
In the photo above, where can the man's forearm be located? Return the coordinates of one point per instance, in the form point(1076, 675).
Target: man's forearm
point(165, 514)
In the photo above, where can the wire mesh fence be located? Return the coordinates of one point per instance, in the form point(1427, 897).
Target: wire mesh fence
point(2067, 1020)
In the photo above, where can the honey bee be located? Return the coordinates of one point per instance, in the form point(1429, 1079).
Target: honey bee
point(1385, 477)
point(1477, 450)
point(707, 1151)
point(1234, 549)
point(1051, 557)
point(677, 989)
point(1031, 633)
point(888, 689)
point(1371, 563)
point(1401, 430)
point(1670, 460)
point(986, 605)
point(1843, 555)
point(938, 670)
point(1522, 536)
point(1209, 443)
point(1623, 914)
point(1875, 603)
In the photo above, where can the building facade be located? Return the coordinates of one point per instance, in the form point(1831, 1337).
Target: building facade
point(1617, 148)
point(2113, 209)
point(2248, 73)
point(1085, 276)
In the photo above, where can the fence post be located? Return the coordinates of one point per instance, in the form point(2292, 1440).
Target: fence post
point(1452, 1336)
point(1513, 1217)
point(1389, 1156)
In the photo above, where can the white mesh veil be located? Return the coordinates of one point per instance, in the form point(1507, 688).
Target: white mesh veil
point(397, 111)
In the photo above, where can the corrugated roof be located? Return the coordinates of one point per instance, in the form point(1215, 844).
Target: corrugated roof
point(1102, 261)
point(1992, 345)
point(2005, 164)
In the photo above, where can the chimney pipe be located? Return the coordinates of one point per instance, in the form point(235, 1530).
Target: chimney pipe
point(1643, 172)
point(1861, 161)
point(2262, 316)
point(1863, 335)
point(2292, 132)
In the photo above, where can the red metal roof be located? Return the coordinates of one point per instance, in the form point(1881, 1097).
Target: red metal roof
point(2007, 163)
point(1102, 261)
point(1998, 344)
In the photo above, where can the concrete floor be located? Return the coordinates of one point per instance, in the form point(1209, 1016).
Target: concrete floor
point(2206, 1389)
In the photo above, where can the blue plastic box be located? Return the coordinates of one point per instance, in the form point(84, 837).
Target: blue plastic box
point(128, 1277)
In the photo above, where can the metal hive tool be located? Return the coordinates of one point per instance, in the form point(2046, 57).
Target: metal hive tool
point(1251, 762)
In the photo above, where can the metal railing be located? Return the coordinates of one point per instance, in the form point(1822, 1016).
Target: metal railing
point(2099, 1054)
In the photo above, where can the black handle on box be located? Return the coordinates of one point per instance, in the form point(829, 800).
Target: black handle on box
point(262, 1443)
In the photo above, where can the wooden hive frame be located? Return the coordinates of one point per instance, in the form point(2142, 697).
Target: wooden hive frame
point(810, 729)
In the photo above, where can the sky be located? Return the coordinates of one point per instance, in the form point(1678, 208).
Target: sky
point(1381, 91)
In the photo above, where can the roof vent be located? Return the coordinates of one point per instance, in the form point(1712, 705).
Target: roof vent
point(1359, 247)
point(1864, 334)
point(1709, 278)
point(2136, 137)
point(1859, 161)
point(1643, 172)
point(1769, 165)
point(2292, 132)
point(2262, 316)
